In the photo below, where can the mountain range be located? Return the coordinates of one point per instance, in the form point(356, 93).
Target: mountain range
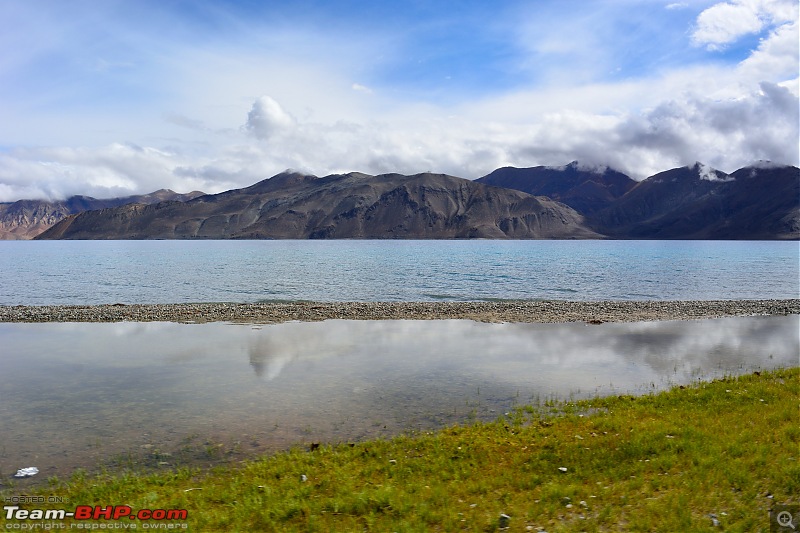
point(24, 219)
point(753, 203)
point(352, 206)
point(757, 202)
point(761, 201)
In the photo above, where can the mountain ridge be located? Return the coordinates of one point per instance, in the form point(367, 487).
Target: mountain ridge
point(353, 205)
point(586, 190)
point(24, 219)
point(698, 202)
point(760, 201)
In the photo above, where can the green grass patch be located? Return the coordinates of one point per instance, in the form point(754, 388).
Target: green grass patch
point(662, 462)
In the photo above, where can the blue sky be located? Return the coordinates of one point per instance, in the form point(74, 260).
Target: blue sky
point(127, 96)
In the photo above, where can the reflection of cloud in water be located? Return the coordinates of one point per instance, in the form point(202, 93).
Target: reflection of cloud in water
point(412, 346)
point(341, 379)
point(710, 344)
point(512, 352)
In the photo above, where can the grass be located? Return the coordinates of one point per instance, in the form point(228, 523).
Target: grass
point(673, 461)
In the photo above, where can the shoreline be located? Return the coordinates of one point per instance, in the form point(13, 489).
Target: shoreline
point(541, 311)
point(653, 454)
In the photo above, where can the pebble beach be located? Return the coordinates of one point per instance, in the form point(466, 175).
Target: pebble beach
point(550, 311)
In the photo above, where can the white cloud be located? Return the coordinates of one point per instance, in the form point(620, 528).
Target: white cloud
point(709, 173)
point(725, 133)
point(361, 88)
point(206, 126)
point(776, 58)
point(726, 22)
point(267, 118)
point(102, 172)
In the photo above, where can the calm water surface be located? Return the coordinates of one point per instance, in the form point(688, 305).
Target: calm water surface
point(165, 394)
point(93, 272)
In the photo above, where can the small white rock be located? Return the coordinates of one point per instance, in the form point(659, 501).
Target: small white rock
point(303, 478)
point(562, 468)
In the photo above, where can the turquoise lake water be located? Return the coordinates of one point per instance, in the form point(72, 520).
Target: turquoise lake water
point(94, 272)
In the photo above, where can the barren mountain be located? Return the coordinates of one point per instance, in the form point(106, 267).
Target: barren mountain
point(698, 202)
point(298, 206)
point(584, 189)
point(24, 219)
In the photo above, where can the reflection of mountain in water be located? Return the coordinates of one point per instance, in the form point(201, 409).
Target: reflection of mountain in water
point(277, 345)
point(425, 374)
point(265, 360)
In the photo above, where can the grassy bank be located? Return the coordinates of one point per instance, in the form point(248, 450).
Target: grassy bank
point(724, 451)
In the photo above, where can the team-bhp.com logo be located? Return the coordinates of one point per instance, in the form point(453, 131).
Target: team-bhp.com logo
point(92, 515)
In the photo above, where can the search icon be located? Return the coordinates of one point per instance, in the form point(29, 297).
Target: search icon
point(784, 519)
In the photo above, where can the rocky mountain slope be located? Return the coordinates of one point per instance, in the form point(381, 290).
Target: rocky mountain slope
point(582, 188)
point(24, 219)
point(761, 201)
point(698, 202)
point(297, 206)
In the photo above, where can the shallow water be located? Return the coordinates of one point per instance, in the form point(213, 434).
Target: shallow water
point(164, 394)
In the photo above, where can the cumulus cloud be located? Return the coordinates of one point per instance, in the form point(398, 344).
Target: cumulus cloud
point(726, 133)
point(102, 172)
point(762, 125)
point(315, 118)
point(723, 133)
point(267, 118)
point(776, 58)
point(725, 22)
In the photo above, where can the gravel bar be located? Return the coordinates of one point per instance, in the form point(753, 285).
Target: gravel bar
point(502, 311)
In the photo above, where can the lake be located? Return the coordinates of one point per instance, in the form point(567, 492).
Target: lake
point(164, 394)
point(95, 272)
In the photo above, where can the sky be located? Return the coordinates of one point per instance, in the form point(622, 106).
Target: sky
point(117, 97)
